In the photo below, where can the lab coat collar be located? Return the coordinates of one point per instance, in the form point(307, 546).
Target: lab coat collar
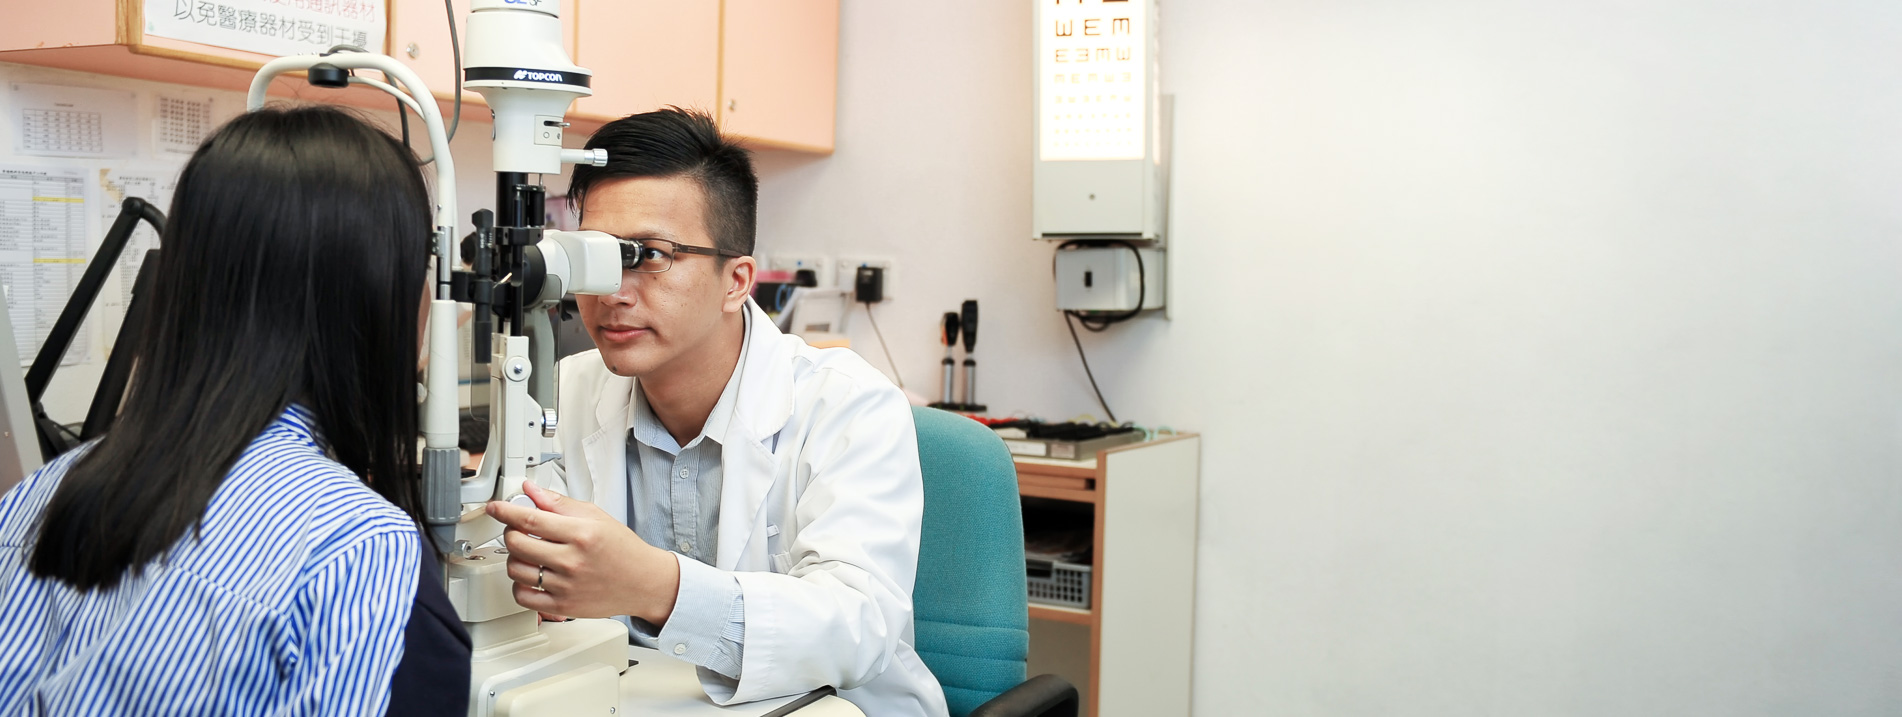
point(762, 407)
point(765, 400)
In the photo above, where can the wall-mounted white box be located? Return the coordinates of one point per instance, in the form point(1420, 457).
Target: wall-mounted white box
point(1110, 278)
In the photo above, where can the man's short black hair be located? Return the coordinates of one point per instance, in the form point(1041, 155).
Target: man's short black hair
point(673, 142)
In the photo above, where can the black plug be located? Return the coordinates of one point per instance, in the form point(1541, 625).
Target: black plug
point(868, 286)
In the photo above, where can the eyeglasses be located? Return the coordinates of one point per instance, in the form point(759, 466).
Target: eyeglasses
point(653, 256)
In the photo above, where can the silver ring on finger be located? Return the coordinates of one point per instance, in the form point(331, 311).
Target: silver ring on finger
point(539, 569)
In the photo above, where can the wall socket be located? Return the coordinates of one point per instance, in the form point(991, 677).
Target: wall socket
point(848, 269)
point(819, 264)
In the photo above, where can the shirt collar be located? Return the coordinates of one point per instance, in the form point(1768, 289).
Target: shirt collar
point(648, 429)
point(299, 420)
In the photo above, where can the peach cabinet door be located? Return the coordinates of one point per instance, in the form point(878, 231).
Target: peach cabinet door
point(780, 76)
point(74, 23)
point(424, 25)
point(648, 54)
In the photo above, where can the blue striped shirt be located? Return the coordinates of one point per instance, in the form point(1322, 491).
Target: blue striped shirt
point(292, 599)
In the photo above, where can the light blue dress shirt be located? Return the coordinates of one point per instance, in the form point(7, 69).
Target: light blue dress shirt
point(673, 503)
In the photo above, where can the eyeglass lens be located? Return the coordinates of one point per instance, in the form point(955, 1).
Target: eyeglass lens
point(647, 257)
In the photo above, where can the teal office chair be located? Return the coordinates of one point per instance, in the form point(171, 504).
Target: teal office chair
point(970, 607)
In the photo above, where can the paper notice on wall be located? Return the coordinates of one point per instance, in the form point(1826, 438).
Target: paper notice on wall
point(270, 27)
point(59, 121)
point(180, 122)
point(42, 252)
point(154, 184)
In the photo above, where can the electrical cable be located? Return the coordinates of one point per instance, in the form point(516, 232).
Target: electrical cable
point(403, 98)
point(1098, 324)
point(455, 49)
point(1086, 368)
point(881, 345)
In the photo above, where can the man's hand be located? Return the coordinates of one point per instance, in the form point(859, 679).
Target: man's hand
point(588, 564)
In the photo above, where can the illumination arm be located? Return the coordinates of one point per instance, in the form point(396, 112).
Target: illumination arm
point(432, 122)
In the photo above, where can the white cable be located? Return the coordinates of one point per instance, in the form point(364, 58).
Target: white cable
point(400, 96)
point(387, 87)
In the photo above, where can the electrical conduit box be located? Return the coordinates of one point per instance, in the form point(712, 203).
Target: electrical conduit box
point(1109, 278)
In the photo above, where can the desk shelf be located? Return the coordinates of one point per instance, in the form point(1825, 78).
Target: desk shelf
point(1142, 497)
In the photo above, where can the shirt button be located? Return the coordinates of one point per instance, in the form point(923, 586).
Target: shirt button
point(686, 547)
point(680, 649)
point(683, 472)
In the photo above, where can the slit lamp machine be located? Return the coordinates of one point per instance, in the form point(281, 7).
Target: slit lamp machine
point(514, 58)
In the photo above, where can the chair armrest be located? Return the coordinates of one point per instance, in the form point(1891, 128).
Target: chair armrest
point(1040, 696)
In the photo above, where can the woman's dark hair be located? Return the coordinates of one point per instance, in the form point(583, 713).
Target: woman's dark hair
point(290, 271)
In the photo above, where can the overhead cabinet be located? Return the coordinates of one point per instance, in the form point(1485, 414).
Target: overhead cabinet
point(779, 71)
point(766, 69)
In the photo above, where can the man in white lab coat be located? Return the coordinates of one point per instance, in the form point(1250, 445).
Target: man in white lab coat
point(757, 500)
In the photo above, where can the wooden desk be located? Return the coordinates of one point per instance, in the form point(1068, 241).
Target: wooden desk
point(1142, 593)
point(661, 686)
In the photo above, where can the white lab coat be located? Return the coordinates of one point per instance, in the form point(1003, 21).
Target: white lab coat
point(819, 516)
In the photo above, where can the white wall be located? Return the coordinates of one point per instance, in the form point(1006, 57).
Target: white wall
point(1548, 356)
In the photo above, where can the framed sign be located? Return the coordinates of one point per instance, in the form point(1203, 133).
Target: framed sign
point(270, 27)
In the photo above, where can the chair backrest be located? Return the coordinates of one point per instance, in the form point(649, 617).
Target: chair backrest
point(969, 604)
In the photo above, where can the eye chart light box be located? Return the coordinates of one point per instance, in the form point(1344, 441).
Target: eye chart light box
point(1099, 168)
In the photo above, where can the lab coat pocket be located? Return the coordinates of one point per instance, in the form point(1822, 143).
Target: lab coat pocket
point(782, 563)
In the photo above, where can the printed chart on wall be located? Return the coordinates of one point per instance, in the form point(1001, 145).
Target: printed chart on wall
point(1095, 67)
point(43, 250)
point(153, 183)
point(59, 121)
point(180, 122)
point(270, 27)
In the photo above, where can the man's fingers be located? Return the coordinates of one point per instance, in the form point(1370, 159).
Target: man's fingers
point(544, 498)
point(526, 548)
point(559, 504)
point(547, 525)
point(534, 599)
point(526, 573)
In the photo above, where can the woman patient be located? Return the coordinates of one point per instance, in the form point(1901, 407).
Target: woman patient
point(245, 540)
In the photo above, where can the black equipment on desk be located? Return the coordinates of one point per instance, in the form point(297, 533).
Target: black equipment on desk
point(948, 335)
point(962, 322)
point(969, 322)
point(1068, 441)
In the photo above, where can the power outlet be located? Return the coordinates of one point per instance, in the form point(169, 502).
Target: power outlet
point(794, 262)
point(849, 268)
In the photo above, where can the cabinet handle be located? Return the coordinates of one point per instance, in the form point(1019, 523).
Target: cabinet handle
point(413, 51)
point(732, 105)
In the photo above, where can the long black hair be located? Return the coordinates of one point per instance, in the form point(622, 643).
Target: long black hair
point(291, 271)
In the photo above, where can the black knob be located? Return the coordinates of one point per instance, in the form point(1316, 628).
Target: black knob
point(969, 322)
point(950, 334)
